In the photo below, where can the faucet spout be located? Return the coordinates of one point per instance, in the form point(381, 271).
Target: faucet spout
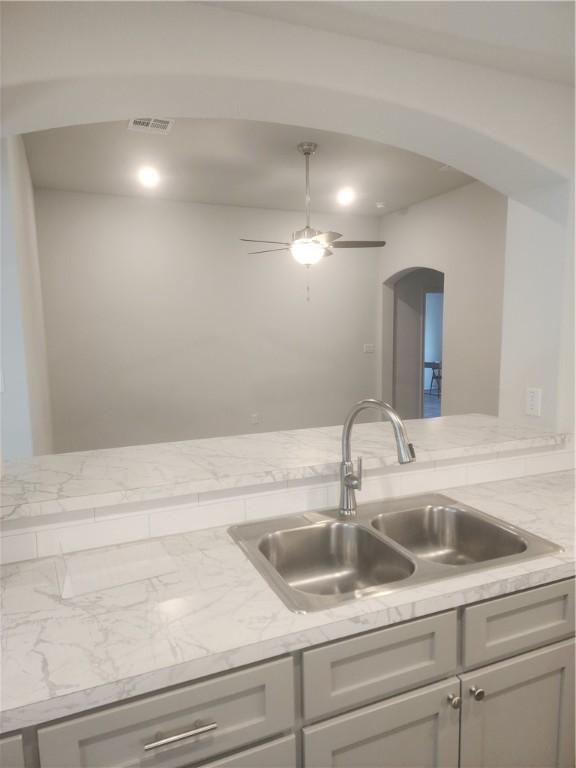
point(351, 481)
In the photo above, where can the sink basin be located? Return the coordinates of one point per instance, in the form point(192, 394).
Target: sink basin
point(333, 558)
point(316, 560)
point(445, 534)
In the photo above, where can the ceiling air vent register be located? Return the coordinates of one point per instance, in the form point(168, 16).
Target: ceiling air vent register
point(151, 124)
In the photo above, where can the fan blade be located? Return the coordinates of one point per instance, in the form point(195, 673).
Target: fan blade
point(358, 244)
point(271, 250)
point(273, 242)
point(327, 237)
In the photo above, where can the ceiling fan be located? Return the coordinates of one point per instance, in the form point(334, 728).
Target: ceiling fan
point(309, 245)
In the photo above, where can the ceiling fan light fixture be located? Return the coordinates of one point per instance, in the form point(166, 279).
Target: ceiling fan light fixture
point(307, 252)
point(308, 246)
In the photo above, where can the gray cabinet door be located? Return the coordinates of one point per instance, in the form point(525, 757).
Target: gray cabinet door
point(11, 752)
point(415, 730)
point(524, 717)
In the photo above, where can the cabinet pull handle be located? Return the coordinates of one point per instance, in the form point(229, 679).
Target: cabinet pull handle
point(478, 693)
point(198, 730)
point(454, 701)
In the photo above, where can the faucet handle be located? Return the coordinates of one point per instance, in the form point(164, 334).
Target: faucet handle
point(359, 473)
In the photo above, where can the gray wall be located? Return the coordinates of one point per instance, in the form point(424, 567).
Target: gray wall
point(538, 338)
point(160, 327)
point(26, 412)
point(462, 234)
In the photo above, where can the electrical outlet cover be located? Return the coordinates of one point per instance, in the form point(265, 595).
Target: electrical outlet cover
point(533, 401)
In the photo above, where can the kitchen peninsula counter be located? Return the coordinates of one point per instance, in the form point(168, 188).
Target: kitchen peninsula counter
point(72, 482)
point(92, 628)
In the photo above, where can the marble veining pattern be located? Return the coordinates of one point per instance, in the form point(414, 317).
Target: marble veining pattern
point(48, 485)
point(208, 609)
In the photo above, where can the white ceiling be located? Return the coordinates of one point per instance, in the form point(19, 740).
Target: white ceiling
point(231, 162)
point(534, 39)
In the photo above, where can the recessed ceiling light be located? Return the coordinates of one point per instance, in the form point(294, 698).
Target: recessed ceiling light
point(380, 205)
point(148, 176)
point(346, 196)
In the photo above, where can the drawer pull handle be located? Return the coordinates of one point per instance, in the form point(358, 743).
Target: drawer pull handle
point(197, 731)
point(478, 693)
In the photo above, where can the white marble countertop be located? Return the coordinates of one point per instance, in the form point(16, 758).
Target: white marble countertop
point(70, 482)
point(139, 617)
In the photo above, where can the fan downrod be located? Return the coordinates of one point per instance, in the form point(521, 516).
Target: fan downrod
point(307, 147)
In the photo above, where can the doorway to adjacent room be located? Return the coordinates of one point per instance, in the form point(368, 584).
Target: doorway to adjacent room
point(417, 351)
point(432, 373)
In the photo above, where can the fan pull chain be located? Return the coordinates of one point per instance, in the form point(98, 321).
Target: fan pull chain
point(307, 282)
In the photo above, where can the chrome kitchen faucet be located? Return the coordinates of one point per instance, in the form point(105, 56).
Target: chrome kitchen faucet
point(351, 481)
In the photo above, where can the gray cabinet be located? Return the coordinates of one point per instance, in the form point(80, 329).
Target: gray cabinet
point(175, 729)
point(356, 671)
point(415, 730)
point(11, 752)
point(387, 694)
point(520, 713)
point(500, 628)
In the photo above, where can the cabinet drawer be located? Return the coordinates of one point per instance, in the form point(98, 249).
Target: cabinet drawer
point(278, 754)
point(246, 706)
point(513, 624)
point(12, 752)
point(362, 669)
point(419, 728)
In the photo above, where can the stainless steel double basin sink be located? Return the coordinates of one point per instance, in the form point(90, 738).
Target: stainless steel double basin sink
point(316, 560)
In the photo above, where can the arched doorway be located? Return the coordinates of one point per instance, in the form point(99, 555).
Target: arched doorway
point(417, 342)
